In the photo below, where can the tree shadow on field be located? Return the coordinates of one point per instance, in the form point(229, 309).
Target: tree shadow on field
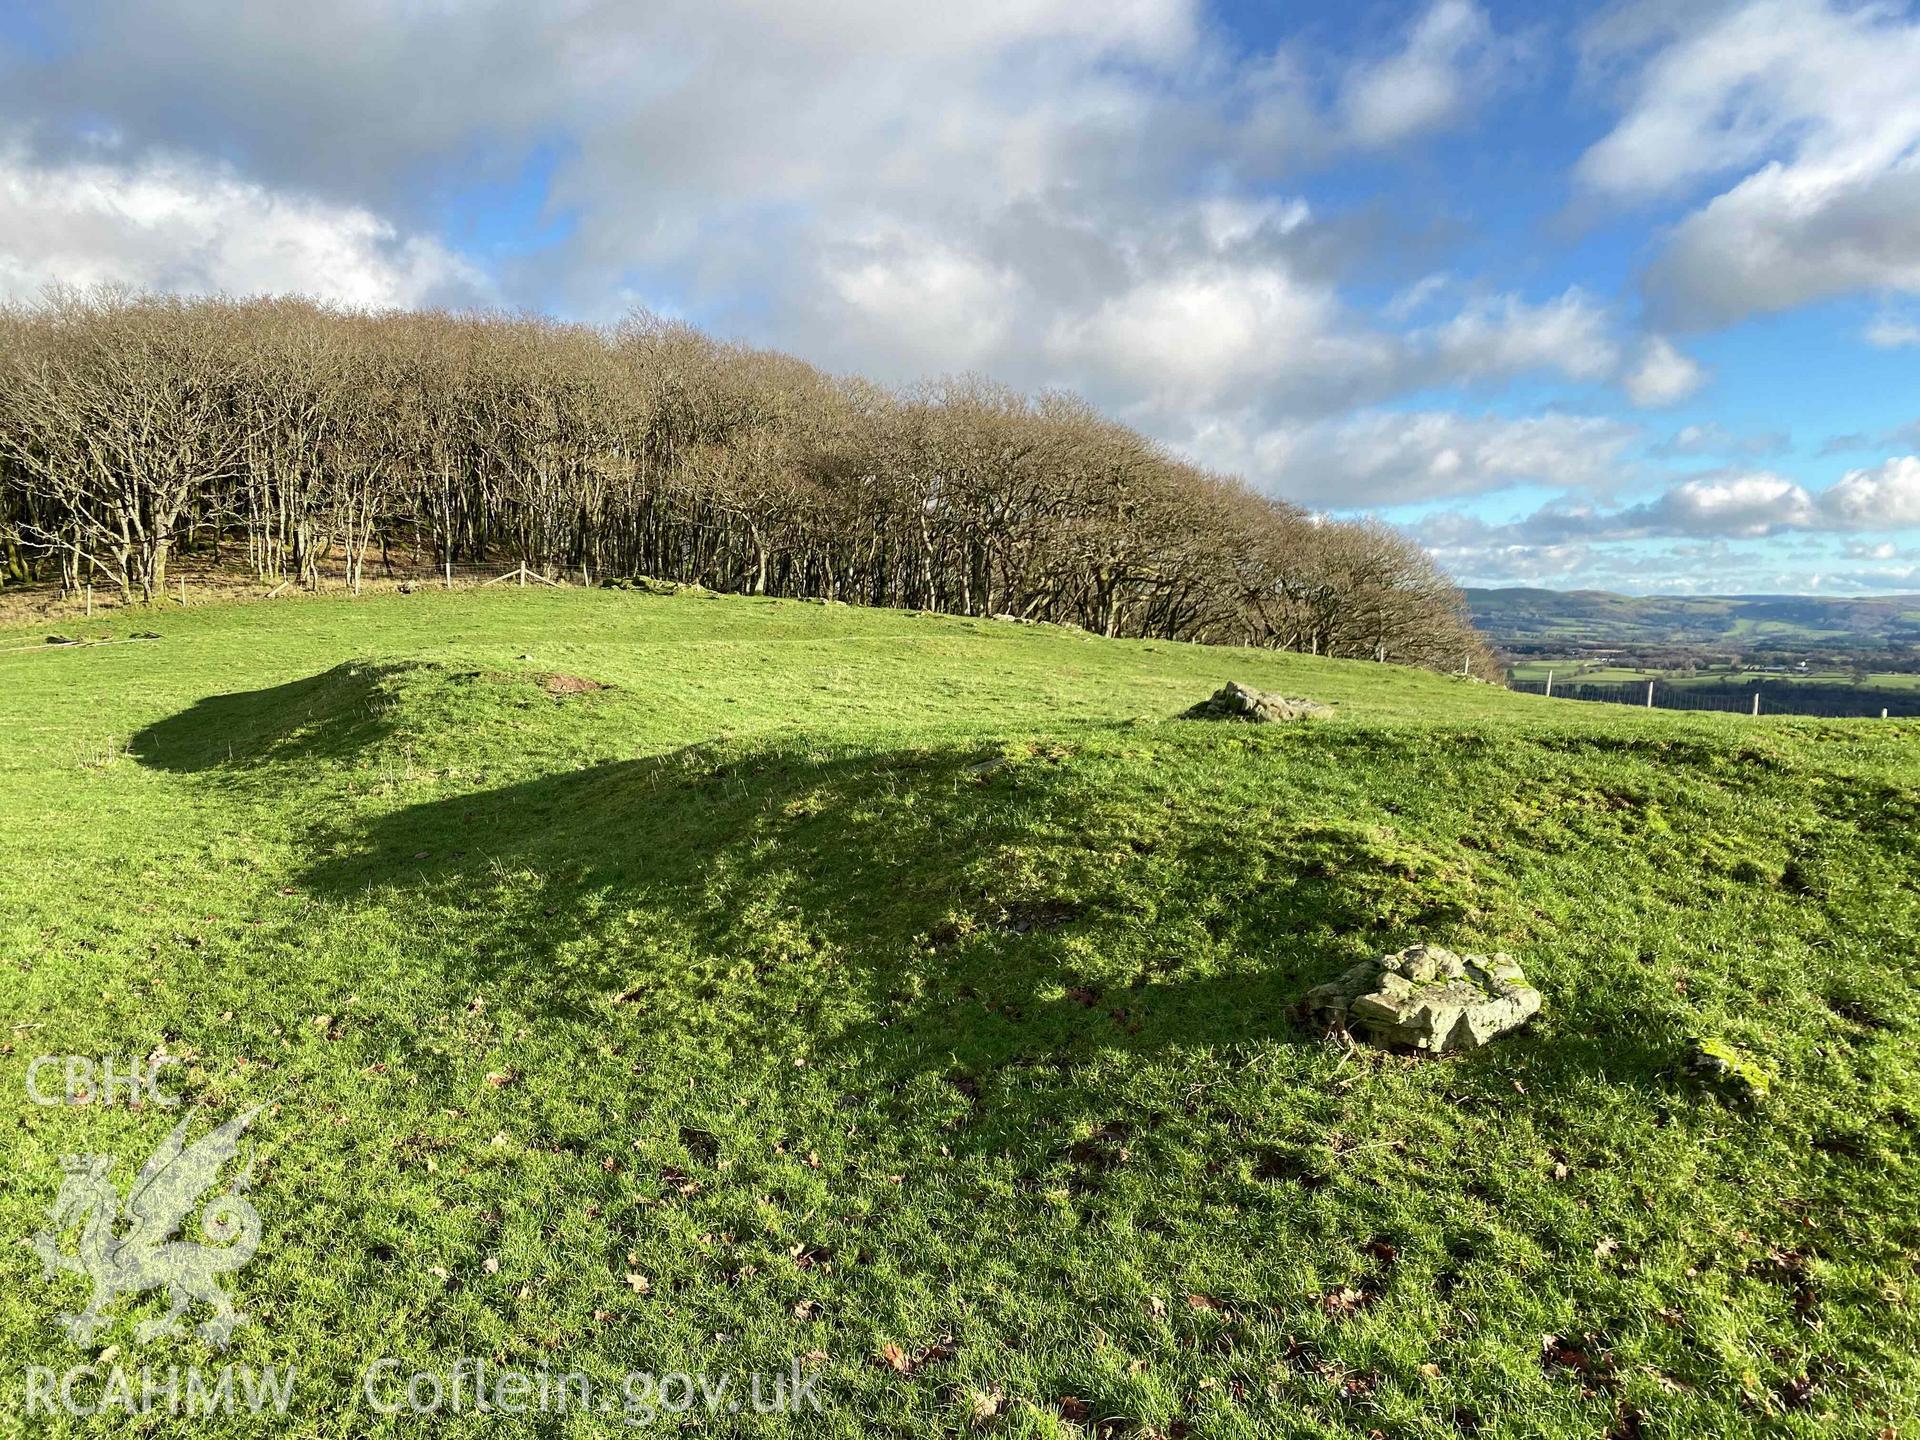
point(950, 912)
point(934, 912)
point(328, 716)
point(862, 874)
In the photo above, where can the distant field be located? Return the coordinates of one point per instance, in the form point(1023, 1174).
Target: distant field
point(1575, 671)
point(1538, 619)
point(912, 1000)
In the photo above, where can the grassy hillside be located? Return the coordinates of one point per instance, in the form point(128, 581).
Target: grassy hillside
point(1546, 619)
point(913, 996)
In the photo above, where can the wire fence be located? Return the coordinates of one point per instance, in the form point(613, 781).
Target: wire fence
point(1844, 702)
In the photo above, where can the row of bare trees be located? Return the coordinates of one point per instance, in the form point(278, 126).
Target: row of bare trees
point(282, 435)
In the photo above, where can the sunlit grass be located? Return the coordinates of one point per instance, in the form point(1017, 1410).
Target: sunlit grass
point(915, 995)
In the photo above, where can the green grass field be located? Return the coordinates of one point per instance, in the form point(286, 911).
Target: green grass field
point(912, 997)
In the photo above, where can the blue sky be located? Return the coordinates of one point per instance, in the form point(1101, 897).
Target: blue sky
point(1621, 295)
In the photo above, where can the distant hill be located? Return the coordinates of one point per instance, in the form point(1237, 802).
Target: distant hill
point(1524, 620)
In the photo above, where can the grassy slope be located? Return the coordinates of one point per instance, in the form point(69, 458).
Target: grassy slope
point(846, 1044)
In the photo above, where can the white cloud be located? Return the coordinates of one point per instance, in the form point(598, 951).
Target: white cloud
point(1789, 235)
point(1716, 509)
point(1888, 333)
point(1447, 62)
point(1813, 106)
point(1663, 375)
point(1719, 506)
point(1236, 331)
point(1007, 183)
point(949, 309)
point(1392, 457)
point(1886, 497)
point(1713, 567)
point(1506, 336)
point(1713, 438)
point(1737, 507)
point(1871, 550)
point(1219, 332)
point(178, 224)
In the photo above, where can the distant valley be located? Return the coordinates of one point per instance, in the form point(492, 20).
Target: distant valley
point(1524, 621)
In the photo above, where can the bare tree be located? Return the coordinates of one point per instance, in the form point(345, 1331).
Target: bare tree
point(119, 409)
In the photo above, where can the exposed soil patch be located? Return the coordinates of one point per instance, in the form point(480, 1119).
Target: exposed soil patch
point(569, 684)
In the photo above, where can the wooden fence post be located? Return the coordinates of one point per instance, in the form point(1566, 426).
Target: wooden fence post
point(1756, 702)
point(449, 569)
point(1649, 694)
point(89, 599)
point(183, 589)
point(1549, 684)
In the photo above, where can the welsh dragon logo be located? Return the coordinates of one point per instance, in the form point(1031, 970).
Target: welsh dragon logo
point(149, 1256)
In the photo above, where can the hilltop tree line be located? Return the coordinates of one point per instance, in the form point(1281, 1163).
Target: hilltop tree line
point(283, 435)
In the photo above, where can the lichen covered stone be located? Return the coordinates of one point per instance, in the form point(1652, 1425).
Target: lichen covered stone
point(1234, 701)
point(1427, 998)
point(1727, 1068)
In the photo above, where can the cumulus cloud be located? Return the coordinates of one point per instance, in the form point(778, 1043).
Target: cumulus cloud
point(1786, 236)
point(1445, 64)
point(1507, 336)
point(1397, 457)
point(1662, 375)
point(1713, 438)
point(1741, 507)
point(1217, 329)
point(933, 302)
point(1714, 567)
point(1886, 497)
point(692, 134)
point(1717, 508)
point(1811, 107)
point(172, 223)
point(1268, 345)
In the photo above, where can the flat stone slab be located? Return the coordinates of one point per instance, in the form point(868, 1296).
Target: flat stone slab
point(1427, 998)
point(1234, 701)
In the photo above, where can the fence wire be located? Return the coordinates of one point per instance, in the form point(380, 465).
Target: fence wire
point(1840, 702)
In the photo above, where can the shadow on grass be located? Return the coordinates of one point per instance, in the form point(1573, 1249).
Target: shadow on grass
point(930, 912)
point(901, 905)
point(324, 717)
